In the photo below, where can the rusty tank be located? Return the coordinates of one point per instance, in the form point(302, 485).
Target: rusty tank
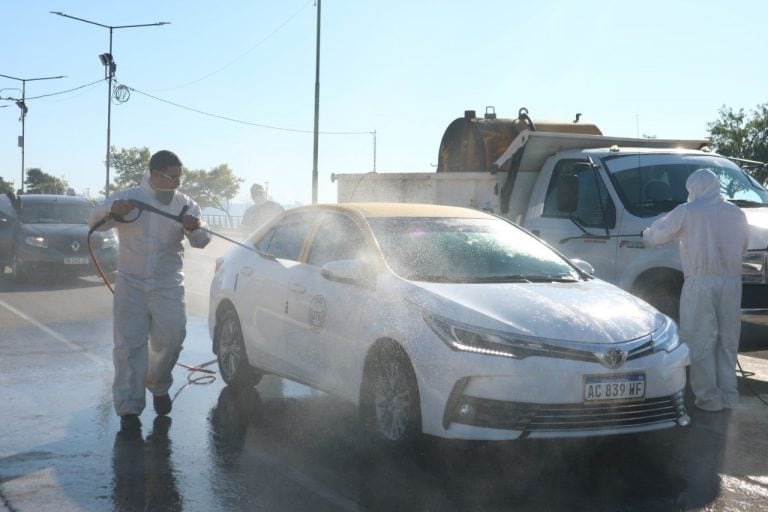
point(473, 144)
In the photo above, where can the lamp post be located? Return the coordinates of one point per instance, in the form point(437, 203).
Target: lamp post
point(317, 108)
point(22, 104)
point(109, 72)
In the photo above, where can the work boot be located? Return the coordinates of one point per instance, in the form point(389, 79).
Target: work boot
point(130, 422)
point(162, 404)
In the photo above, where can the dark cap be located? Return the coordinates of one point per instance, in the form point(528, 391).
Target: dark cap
point(163, 159)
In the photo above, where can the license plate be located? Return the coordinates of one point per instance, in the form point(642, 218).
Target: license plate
point(608, 388)
point(77, 260)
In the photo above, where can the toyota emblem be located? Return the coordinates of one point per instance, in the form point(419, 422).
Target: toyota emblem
point(613, 358)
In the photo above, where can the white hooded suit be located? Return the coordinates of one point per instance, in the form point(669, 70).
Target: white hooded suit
point(713, 236)
point(149, 295)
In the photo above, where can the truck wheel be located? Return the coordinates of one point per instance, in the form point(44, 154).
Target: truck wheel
point(662, 291)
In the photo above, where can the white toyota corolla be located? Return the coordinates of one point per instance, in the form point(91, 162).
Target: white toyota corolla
point(443, 320)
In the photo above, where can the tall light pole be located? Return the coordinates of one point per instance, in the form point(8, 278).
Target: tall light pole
point(23, 106)
point(109, 72)
point(317, 108)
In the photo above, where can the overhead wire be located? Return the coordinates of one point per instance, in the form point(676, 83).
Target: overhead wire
point(64, 92)
point(242, 55)
point(239, 121)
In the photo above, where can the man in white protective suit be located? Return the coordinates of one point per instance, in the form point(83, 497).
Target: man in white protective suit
point(713, 236)
point(149, 310)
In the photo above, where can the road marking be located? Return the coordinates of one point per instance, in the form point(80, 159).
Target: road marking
point(55, 335)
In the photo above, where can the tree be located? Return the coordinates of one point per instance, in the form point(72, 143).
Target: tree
point(738, 135)
point(214, 188)
point(129, 166)
point(39, 182)
point(5, 186)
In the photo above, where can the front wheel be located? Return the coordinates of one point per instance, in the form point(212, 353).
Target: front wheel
point(390, 407)
point(231, 356)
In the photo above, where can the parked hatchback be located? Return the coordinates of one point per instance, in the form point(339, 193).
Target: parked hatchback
point(44, 236)
point(445, 321)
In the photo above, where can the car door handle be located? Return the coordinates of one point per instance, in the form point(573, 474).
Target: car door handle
point(246, 271)
point(297, 288)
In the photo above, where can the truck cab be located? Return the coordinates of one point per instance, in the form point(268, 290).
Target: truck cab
point(587, 194)
point(592, 204)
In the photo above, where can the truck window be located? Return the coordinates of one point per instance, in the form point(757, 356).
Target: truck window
point(589, 212)
point(655, 183)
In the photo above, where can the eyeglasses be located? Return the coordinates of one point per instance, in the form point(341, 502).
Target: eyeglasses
point(168, 176)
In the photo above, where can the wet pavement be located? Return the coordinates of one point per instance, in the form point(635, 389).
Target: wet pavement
point(282, 446)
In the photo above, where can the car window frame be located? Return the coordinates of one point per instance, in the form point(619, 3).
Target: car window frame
point(363, 249)
point(304, 218)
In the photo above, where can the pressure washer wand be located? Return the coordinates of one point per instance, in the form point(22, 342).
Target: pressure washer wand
point(178, 218)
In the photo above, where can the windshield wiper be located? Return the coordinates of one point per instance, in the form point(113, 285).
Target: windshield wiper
point(745, 202)
point(550, 279)
point(521, 278)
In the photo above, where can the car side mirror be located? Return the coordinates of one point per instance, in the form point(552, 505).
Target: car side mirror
point(584, 266)
point(349, 271)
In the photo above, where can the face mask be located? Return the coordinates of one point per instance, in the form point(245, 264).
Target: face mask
point(164, 196)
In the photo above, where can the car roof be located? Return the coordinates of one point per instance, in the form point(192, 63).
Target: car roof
point(52, 198)
point(370, 210)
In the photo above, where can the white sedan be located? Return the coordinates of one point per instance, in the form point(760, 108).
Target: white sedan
point(444, 321)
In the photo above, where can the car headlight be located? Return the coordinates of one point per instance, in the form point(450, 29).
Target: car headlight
point(36, 241)
point(108, 242)
point(466, 338)
point(666, 338)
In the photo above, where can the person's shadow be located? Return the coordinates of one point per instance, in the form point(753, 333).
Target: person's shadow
point(143, 474)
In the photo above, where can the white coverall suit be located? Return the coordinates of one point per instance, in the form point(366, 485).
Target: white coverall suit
point(714, 236)
point(149, 295)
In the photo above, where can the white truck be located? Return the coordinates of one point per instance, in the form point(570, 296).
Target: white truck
point(587, 194)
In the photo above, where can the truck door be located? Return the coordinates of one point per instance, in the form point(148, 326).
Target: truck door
point(577, 230)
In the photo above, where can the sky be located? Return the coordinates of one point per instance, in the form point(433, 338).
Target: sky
point(233, 81)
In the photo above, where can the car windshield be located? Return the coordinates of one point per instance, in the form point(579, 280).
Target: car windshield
point(652, 184)
point(466, 250)
point(38, 212)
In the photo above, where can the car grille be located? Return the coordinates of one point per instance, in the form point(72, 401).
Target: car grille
point(563, 418)
point(635, 349)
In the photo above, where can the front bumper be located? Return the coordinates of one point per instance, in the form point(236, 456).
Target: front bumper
point(38, 262)
point(537, 397)
point(565, 420)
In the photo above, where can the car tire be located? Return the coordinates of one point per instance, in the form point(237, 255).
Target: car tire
point(230, 353)
point(17, 274)
point(390, 406)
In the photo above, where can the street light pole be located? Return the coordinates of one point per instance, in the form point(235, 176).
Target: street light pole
point(109, 70)
point(23, 106)
point(317, 108)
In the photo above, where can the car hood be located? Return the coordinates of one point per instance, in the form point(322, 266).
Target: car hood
point(758, 227)
point(587, 311)
point(78, 231)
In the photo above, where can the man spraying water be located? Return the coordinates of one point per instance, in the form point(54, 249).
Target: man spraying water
point(149, 309)
point(714, 236)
